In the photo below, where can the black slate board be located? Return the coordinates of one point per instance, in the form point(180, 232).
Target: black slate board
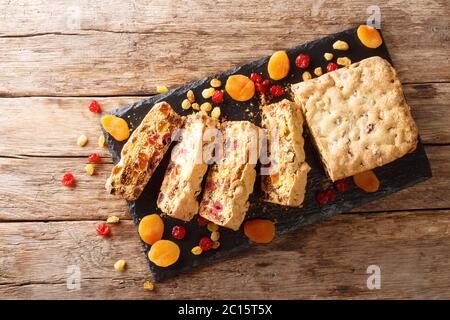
point(398, 175)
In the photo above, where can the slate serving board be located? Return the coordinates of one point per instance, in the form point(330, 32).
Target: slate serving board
point(398, 175)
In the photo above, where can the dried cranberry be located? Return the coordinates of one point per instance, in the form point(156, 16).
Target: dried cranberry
point(322, 197)
point(201, 221)
point(276, 91)
point(217, 96)
point(218, 206)
point(179, 232)
point(153, 138)
point(266, 83)
point(68, 180)
point(103, 229)
point(331, 195)
point(369, 128)
point(256, 78)
point(206, 243)
point(332, 66)
point(210, 186)
point(341, 185)
point(261, 88)
point(94, 106)
point(302, 61)
point(94, 158)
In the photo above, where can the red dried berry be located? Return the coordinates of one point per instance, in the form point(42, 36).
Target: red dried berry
point(322, 197)
point(331, 195)
point(332, 66)
point(103, 229)
point(218, 206)
point(341, 185)
point(94, 158)
point(261, 88)
point(201, 221)
point(178, 232)
point(217, 96)
point(94, 106)
point(256, 78)
point(266, 83)
point(68, 180)
point(302, 61)
point(206, 243)
point(276, 91)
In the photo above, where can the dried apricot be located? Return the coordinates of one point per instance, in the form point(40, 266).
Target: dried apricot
point(259, 230)
point(151, 228)
point(367, 181)
point(115, 126)
point(278, 66)
point(369, 36)
point(240, 87)
point(164, 253)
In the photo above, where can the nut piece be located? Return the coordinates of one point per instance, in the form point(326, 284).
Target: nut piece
point(90, 169)
point(215, 235)
point(197, 250)
point(185, 104)
point(161, 89)
point(208, 93)
point(113, 219)
point(190, 96)
point(216, 244)
point(306, 76)
point(328, 56)
point(215, 113)
point(340, 45)
point(215, 83)
point(120, 265)
point(318, 71)
point(212, 227)
point(149, 286)
point(101, 140)
point(82, 140)
point(196, 106)
point(206, 106)
point(344, 61)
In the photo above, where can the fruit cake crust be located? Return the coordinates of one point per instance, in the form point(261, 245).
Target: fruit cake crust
point(144, 150)
point(286, 184)
point(229, 183)
point(358, 117)
point(182, 180)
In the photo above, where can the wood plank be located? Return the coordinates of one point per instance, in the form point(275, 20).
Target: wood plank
point(50, 126)
point(32, 190)
point(327, 260)
point(123, 48)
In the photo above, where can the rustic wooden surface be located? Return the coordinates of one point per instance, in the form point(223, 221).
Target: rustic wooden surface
point(56, 55)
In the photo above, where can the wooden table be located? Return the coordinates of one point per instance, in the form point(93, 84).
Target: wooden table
point(55, 56)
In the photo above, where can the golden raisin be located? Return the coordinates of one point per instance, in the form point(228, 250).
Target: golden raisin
point(328, 56)
point(196, 250)
point(90, 169)
point(215, 83)
point(343, 61)
point(318, 71)
point(212, 226)
point(190, 96)
point(149, 286)
point(120, 265)
point(161, 89)
point(306, 76)
point(82, 140)
point(341, 45)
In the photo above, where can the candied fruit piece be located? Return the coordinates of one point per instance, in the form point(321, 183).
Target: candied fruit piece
point(164, 253)
point(260, 230)
point(367, 181)
point(369, 36)
point(115, 126)
point(151, 228)
point(240, 87)
point(278, 66)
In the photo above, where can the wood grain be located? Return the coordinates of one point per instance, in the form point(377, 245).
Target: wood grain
point(328, 260)
point(127, 48)
point(50, 126)
point(32, 190)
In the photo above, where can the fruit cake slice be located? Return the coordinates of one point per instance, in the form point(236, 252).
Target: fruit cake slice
point(283, 180)
point(184, 175)
point(230, 180)
point(143, 152)
point(358, 117)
